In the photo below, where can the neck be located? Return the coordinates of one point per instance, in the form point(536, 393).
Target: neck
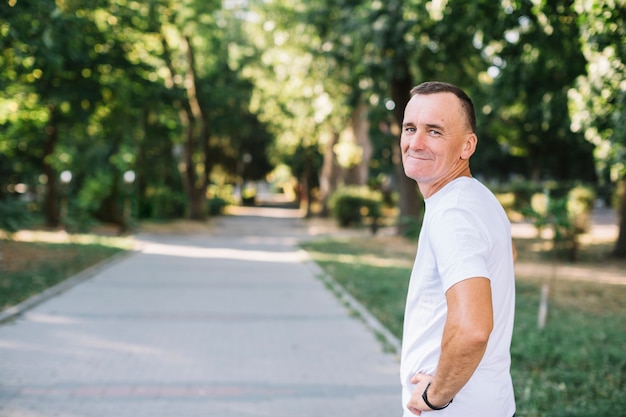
point(428, 189)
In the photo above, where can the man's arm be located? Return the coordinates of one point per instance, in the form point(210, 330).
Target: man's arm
point(465, 335)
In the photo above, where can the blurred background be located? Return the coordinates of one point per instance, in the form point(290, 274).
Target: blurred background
point(114, 112)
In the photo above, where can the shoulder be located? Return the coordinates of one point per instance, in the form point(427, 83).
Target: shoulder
point(473, 197)
point(461, 189)
point(461, 197)
point(466, 206)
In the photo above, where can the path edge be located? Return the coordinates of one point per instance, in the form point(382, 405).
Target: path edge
point(391, 344)
point(12, 312)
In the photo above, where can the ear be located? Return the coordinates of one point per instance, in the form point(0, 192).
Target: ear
point(469, 146)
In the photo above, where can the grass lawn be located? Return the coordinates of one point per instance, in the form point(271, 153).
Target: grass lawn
point(576, 366)
point(34, 261)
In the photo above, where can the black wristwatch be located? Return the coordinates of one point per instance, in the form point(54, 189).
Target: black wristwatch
point(425, 398)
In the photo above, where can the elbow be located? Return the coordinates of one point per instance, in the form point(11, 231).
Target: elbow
point(479, 338)
point(477, 334)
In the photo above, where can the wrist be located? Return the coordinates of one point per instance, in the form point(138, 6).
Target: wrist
point(429, 404)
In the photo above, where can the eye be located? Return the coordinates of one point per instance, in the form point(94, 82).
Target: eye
point(434, 132)
point(410, 129)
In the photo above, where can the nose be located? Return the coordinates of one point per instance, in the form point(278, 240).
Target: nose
point(416, 140)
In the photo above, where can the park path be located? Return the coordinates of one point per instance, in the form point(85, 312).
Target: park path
point(231, 323)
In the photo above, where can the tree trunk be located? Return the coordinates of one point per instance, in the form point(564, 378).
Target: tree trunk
point(196, 135)
point(359, 174)
point(193, 185)
point(619, 251)
point(331, 171)
point(409, 202)
point(51, 205)
point(305, 184)
point(198, 189)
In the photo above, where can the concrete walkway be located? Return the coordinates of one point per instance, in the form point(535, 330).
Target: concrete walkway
point(234, 323)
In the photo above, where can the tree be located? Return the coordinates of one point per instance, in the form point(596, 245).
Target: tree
point(108, 86)
point(180, 38)
point(293, 95)
point(598, 102)
point(535, 58)
point(53, 53)
point(360, 41)
point(411, 42)
point(212, 99)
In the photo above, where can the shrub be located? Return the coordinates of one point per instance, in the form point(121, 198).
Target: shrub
point(516, 197)
point(161, 202)
point(580, 201)
point(216, 205)
point(14, 214)
point(351, 204)
point(248, 195)
point(219, 196)
point(568, 216)
point(412, 227)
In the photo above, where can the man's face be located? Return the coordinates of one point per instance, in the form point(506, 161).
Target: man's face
point(434, 138)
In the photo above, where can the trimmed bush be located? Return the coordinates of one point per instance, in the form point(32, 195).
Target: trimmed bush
point(216, 205)
point(351, 204)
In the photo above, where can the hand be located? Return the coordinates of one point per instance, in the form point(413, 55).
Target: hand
point(416, 404)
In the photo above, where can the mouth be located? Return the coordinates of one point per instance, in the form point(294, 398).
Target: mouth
point(417, 157)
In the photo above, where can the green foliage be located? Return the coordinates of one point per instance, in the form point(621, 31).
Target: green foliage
point(534, 55)
point(580, 201)
point(248, 195)
point(219, 197)
point(216, 206)
point(161, 202)
point(94, 190)
point(351, 204)
point(597, 102)
point(93, 79)
point(95, 87)
point(567, 216)
point(78, 220)
point(412, 227)
point(14, 214)
point(517, 196)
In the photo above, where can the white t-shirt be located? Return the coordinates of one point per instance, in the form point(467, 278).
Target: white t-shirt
point(465, 234)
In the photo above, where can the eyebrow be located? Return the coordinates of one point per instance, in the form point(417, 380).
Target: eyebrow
point(427, 125)
point(435, 126)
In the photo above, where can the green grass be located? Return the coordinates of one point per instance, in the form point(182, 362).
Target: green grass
point(575, 367)
point(28, 268)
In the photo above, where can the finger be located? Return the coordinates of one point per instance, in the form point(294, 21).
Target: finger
point(415, 411)
point(416, 378)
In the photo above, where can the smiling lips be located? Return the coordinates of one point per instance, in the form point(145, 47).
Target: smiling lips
point(419, 157)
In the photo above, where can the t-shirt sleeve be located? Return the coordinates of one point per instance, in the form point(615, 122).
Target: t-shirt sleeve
point(460, 245)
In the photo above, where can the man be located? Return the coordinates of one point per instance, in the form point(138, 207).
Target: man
point(460, 304)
